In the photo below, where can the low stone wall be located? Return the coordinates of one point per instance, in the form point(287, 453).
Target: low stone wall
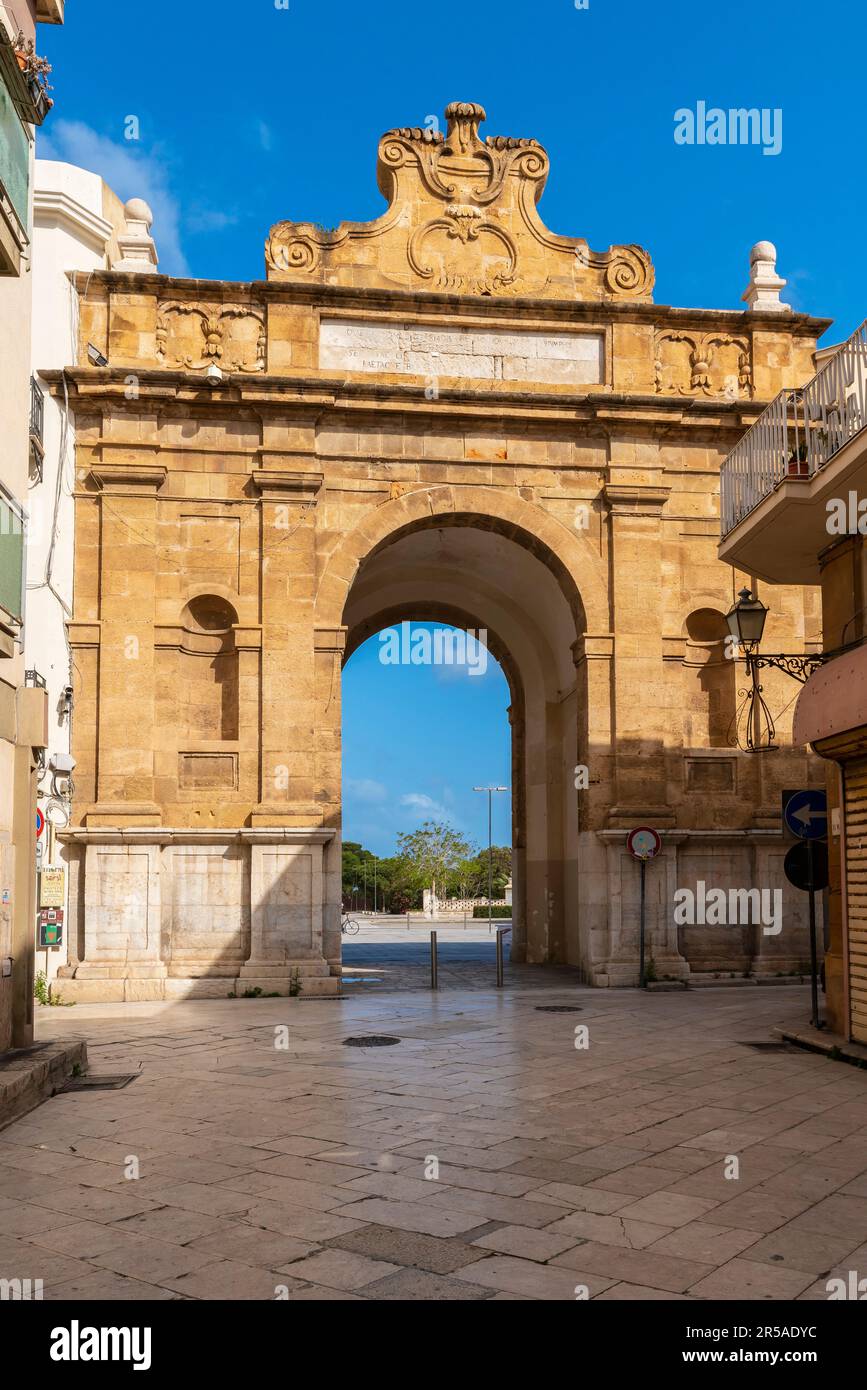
point(30, 1075)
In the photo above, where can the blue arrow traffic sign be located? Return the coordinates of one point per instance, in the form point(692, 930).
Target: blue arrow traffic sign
point(807, 814)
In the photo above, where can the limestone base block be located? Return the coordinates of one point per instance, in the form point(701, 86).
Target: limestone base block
point(188, 914)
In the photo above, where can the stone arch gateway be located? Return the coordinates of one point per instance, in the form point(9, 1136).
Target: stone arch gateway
point(448, 412)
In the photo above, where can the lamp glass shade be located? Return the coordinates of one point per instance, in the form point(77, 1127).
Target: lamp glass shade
point(746, 619)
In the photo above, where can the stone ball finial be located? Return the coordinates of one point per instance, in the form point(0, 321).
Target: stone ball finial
point(137, 210)
point(763, 292)
point(763, 251)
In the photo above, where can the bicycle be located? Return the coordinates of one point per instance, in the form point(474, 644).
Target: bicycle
point(349, 926)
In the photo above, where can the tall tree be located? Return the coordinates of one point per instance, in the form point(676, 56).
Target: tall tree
point(433, 853)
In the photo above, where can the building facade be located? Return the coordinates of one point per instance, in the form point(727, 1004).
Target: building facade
point(795, 513)
point(23, 708)
point(78, 222)
point(449, 413)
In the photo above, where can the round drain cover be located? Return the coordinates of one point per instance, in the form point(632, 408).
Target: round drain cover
point(558, 1009)
point(374, 1040)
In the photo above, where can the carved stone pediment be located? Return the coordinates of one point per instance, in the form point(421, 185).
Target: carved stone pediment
point(192, 336)
point(703, 364)
point(461, 219)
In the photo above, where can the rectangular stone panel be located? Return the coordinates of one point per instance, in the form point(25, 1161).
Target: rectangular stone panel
point(208, 771)
point(119, 904)
point(416, 350)
point(210, 913)
point(288, 911)
point(710, 775)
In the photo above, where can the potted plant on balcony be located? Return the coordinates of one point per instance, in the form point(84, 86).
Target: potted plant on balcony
point(798, 462)
point(36, 71)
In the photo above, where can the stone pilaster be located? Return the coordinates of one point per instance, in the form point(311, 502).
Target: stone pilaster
point(636, 536)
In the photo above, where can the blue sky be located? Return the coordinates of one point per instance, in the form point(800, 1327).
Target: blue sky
point(416, 740)
point(253, 113)
point(250, 114)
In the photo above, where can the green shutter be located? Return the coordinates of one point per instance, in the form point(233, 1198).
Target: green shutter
point(14, 157)
point(11, 561)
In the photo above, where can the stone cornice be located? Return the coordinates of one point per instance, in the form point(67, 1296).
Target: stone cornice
point(84, 634)
point(635, 499)
point(678, 837)
point(461, 305)
point(593, 647)
point(285, 485)
point(52, 204)
point(175, 637)
point(330, 639)
point(104, 388)
point(130, 477)
point(166, 835)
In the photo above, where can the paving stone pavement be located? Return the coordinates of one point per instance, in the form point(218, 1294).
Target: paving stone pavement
point(274, 1161)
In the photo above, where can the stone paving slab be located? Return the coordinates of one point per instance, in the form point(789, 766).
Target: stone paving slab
point(482, 1158)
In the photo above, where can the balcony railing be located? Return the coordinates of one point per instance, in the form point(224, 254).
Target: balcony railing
point(37, 421)
point(37, 409)
point(799, 432)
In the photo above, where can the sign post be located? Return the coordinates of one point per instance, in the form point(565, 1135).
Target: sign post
point(643, 844)
point(806, 866)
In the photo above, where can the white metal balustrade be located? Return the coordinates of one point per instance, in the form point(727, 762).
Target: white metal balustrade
point(799, 432)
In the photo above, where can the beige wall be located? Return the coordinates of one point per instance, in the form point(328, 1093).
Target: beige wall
point(22, 713)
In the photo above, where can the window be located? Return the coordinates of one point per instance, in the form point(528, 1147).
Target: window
point(12, 536)
point(14, 185)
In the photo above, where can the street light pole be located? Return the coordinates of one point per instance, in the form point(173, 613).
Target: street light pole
point(490, 791)
point(374, 884)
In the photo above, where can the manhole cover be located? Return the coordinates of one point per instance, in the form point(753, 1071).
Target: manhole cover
point(558, 1008)
point(98, 1083)
point(375, 1040)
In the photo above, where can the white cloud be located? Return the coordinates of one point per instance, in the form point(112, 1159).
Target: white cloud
point(209, 220)
point(423, 805)
point(266, 136)
point(365, 789)
point(131, 172)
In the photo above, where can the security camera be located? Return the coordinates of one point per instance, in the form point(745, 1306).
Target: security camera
point(62, 763)
point(214, 375)
point(95, 357)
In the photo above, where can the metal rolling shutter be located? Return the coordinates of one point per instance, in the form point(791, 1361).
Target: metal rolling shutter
point(855, 789)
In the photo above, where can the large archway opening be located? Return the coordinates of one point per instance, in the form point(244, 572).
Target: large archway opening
point(483, 574)
point(425, 714)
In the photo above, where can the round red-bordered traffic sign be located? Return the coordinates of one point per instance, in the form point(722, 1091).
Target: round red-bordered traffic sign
point(40, 823)
point(643, 843)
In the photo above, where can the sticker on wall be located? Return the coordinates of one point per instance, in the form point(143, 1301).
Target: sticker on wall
point(51, 887)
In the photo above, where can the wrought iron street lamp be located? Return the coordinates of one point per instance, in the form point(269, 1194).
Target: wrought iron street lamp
point(746, 621)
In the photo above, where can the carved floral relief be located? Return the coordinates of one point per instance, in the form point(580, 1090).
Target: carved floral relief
point(193, 336)
point(708, 364)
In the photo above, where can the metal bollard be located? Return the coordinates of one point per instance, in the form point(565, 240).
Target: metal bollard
point(433, 960)
point(501, 932)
